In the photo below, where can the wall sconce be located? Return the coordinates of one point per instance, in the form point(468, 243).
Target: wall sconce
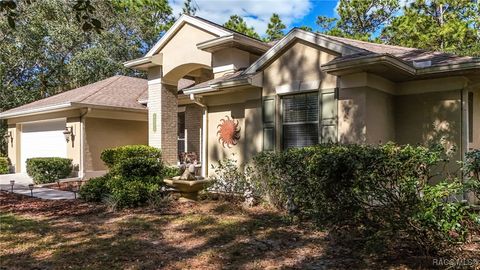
point(68, 133)
point(9, 137)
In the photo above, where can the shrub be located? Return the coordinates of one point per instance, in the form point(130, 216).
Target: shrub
point(47, 170)
point(131, 193)
point(381, 189)
point(136, 174)
point(230, 179)
point(112, 156)
point(95, 189)
point(171, 171)
point(4, 165)
point(471, 168)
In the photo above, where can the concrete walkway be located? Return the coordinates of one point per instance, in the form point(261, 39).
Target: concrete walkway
point(21, 187)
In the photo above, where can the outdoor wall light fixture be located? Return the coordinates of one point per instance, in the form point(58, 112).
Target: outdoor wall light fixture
point(68, 133)
point(30, 186)
point(9, 137)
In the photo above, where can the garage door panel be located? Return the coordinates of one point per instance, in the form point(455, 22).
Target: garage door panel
point(43, 139)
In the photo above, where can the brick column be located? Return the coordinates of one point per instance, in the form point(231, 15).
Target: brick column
point(162, 116)
point(169, 121)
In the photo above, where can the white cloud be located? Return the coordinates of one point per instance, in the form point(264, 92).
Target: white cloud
point(255, 12)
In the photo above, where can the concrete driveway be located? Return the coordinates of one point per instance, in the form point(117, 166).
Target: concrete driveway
point(22, 180)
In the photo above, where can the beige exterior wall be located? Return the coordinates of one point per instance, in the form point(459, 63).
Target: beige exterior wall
point(228, 60)
point(181, 52)
point(380, 117)
point(298, 69)
point(475, 144)
point(245, 107)
point(431, 118)
point(105, 133)
point(14, 146)
point(74, 146)
point(352, 112)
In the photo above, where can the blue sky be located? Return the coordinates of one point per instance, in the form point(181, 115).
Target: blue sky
point(257, 12)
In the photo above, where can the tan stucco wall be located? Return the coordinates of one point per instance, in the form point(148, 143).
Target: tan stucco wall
point(231, 57)
point(476, 119)
point(181, 51)
point(74, 146)
point(352, 126)
point(297, 68)
point(380, 118)
point(245, 107)
point(431, 118)
point(14, 148)
point(105, 133)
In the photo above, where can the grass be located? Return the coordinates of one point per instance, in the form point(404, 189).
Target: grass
point(207, 235)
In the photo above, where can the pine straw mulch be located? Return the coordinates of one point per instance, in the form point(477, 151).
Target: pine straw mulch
point(41, 234)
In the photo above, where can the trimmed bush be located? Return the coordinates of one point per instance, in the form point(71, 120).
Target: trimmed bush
point(381, 189)
point(4, 165)
point(113, 156)
point(136, 175)
point(95, 189)
point(48, 170)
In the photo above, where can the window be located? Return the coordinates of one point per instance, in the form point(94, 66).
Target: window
point(181, 132)
point(300, 120)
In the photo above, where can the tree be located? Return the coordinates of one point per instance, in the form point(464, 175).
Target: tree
point(275, 28)
point(359, 19)
point(47, 52)
point(236, 23)
point(189, 8)
point(306, 28)
point(443, 25)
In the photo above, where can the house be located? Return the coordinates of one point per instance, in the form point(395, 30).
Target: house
point(245, 96)
point(79, 124)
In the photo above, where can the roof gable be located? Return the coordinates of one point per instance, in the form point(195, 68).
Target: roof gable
point(299, 34)
point(184, 19)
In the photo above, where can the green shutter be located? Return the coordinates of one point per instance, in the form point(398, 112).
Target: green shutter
point(268, 116)
point(328, 116)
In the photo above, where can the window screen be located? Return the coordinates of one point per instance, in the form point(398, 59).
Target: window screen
point(300, 120)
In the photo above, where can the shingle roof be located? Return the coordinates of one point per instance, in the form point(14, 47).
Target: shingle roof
point(117, 91)
point(237, 75)
point(406, 54)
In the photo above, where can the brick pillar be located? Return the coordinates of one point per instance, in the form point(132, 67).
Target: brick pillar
point(162, 116)
point(169, 130)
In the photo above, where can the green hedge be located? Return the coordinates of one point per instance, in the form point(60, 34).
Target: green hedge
point(136, 174)
point(48, 170)
point(382, 190)
point(4, 165)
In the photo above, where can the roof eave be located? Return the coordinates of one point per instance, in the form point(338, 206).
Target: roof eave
point(334, 68)
point(234, 40)
point(47, 109)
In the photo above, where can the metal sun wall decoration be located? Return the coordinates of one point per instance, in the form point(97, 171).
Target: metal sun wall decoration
point(228, 132)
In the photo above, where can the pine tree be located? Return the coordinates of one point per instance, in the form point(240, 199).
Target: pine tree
point(189, 8)
point(236, 23)
point(275, 28)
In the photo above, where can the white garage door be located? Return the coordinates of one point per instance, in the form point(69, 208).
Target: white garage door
point(43, 139)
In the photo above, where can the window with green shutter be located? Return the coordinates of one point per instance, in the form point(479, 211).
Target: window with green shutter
point(300, 120)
